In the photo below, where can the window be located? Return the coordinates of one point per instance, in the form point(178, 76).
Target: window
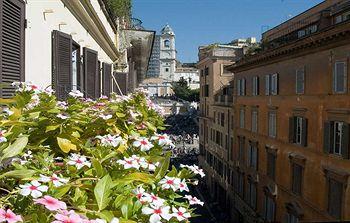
point(166, 69)
point(223, 119)
point(167, 43)
point(241, 145)
point(241, 87)
point(342, 17)
point(12, 45)
point(335, 198)
point(301, 33)
point(340, 77)
point(297, 176)
point(206, 90)
point(336, 138)
point(300, 81)
point(252, 194)
point(291, 218)
point(254, 120)
point(271, 84)
point(241, 184)
point(271, 165)
point(298, 130)
point(242, 118)
point(270, 208)
point(202, 72)
point(255, 90)
point(91, 73)
point(252, 159)
point(206, 71)
point(272, 124)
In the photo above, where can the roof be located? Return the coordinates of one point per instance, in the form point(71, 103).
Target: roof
point(167, 30)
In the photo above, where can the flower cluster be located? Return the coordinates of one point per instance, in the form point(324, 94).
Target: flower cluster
point(137, 162)
point(162, 140)
point(195, 169)
point(78, 161)
point(143, 144)
point(110, 140)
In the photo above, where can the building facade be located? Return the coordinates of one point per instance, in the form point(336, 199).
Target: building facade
point(289, 156)
point(68, 45)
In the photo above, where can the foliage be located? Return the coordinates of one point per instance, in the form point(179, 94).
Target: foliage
point(88, 159)
point(120, 8)
point(182, 91)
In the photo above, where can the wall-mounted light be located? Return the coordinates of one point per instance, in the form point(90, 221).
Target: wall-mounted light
point(47, 11)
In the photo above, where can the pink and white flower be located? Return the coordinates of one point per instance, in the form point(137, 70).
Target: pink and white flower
point(2, 136)
point(56, 181)
point(110, 140)
point(9, 216)
point(157, 213)
point(62, 116)
point(143, 144)
point(140, 194)
point(194, 200)
point(163, 140)
point(154, 200)
point(129, 162)
point(149, 165)
point(7, 111)
point(181, 213)
point(33, 188)
point(68, 217)
point(195, 169)
point(76, 94)
point(183, 186)
point(114, 220)
point(51, 203)
point(170, 183)
point(78, 161)
point(105, 117)
point(62, 104)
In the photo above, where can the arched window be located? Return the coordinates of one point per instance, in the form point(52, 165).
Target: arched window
point(166, 43)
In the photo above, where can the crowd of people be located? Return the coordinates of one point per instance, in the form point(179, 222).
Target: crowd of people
point(184, 145)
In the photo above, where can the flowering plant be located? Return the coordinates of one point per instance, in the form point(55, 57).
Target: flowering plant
point(88, 161)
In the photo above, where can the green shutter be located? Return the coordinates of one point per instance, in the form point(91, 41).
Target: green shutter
point(304, 135)
point(327, 137)
point(345, 141)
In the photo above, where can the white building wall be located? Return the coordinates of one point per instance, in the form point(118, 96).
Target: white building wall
point(38, 36)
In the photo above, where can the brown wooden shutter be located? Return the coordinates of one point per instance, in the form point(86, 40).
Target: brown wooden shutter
point(90, 72)
point(345, 141)
point(257, 86)
point(106, 79)
point(61, 64)
point(304, 131)
point(292, 129)
point(12, 39)
point(327, 137)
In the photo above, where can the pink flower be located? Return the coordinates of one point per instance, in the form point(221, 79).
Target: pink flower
point(51, 203)
point(68, 217)
point(143, 144)
point(9, 216)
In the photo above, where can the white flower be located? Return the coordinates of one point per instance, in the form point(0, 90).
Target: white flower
point(134, 115)
point(2, 136)
point(98, 220)
point(62, 104)
point(57, 181)
point(110, 140)
point(105, 117)
point(33, 188)
point(61, 116)
point(194, 200)
point(195, 169)
point(154, 200)
point(7, 111)
point(157, 213)
point(76, 94)
point(181, 213)
point(78, 161)
point(183, 186)
point(49, 91)
point(140, 194)
point(129, 163)
point(143, 143)
point(170, 182)
point(149, 165)
point(163, 140)
point(103, 97)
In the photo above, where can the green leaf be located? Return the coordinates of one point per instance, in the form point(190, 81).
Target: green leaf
point(52, 128)
point(66, 145)
point(163, 168)
point(119, 200)
point(15, 148)
point(19, 174)
point(137, 176)
point(98, 168)
point(106, 215)
point(102, 192)
point(61, 191)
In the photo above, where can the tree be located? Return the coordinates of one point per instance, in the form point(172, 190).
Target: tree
point(182, 91)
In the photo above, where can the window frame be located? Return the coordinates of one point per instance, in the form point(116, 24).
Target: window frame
point(272, 127)
point(303, 81)
point(334, 77)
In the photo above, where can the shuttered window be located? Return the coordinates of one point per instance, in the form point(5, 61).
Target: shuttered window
point(91, 73)
point(298, 130)
point(335, 198)
point(255, 86)
point(297, 176)
point(241, 141)
point(242, 118)
point(252, 158)
point(61, 64)
point(336, 138)
point(269, 208)
point(271, 165)
point(252, 194)
point(272, 125)
point(106, 79)
point(254, 120)
point(12, 34)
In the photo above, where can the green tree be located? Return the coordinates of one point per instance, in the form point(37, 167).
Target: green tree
point(182, 91)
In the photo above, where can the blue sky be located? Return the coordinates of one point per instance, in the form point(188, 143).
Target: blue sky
point(201, 22)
